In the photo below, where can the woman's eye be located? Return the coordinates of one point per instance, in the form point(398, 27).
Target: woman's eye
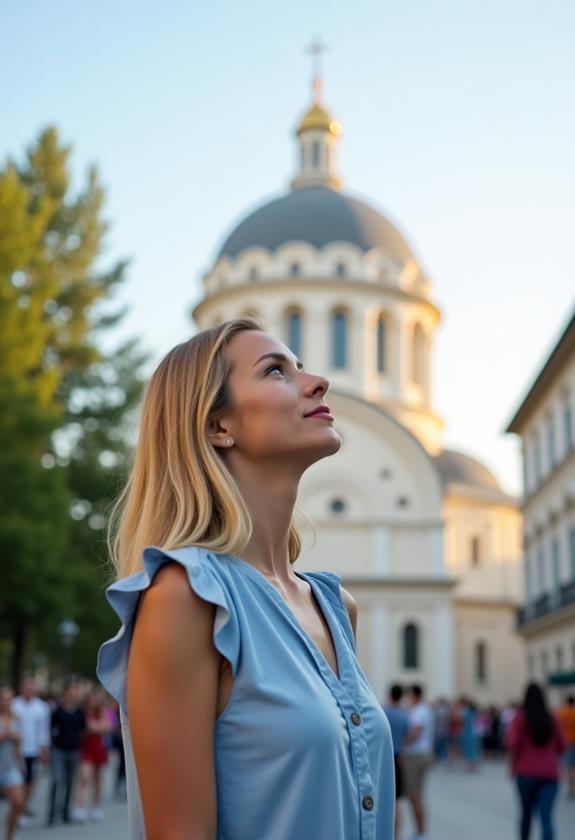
point(275, 367)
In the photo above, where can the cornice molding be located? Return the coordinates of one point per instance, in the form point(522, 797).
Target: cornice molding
point(302, 284)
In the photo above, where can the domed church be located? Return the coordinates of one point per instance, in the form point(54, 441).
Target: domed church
point(423, 537)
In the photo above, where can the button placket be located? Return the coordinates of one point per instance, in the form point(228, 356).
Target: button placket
point(345, 690)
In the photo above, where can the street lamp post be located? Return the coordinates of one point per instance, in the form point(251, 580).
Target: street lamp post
point(68, 631)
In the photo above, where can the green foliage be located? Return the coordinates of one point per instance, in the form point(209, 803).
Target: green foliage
point(64, 404)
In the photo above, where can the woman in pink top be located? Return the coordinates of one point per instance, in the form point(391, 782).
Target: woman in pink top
point(535, 743)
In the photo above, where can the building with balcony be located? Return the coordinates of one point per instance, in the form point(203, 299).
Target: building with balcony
point(545, 421)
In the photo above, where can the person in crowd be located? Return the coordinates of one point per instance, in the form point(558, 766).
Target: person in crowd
point(469, 736)
point(493, 746)
point(441, 716)
point(535, 744)
point(566, 717)
point(236, 660)
point(483, 730)
point(506, 718)
point(34, 716)
point(11, 778)
point(399, 723)
point(117, 744)
point(418, 756)
point(67, 728)
point(455, 730)
point(93, 757)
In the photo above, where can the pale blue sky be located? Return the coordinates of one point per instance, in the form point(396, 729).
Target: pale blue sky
point(459, 124)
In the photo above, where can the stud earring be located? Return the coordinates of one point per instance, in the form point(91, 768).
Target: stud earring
point(228, 441)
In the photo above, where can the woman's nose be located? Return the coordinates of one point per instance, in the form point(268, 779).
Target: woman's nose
point(317, 385)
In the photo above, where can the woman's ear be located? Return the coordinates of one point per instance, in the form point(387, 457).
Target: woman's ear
point(218, 434)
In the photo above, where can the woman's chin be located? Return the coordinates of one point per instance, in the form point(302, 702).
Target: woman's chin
point(329, 446)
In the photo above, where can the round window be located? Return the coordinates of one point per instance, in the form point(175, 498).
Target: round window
point(337, 505)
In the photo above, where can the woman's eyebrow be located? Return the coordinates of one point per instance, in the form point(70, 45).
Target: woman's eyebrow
point(280, 357)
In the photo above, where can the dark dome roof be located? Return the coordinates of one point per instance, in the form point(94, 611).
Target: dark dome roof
point(463, 469)
point(317, 215)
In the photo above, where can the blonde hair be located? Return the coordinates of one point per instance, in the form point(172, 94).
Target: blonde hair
point(180, 491)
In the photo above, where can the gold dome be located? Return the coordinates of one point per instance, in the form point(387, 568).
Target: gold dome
point(318, 118)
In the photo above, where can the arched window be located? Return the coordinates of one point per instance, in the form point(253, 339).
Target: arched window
point(411, 646)
point(418, 355)
point(381, 340)
point(316, 154)
point(339, 340)
point(475, 551)
point(295, 269)
point(254, 273)
point(294, 332)
point(481, 663)
point(340, 270)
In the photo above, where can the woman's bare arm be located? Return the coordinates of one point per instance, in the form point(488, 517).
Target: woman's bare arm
point(172, 691)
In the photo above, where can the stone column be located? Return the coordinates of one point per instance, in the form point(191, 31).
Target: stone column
point(381, 558)
point(380, 665)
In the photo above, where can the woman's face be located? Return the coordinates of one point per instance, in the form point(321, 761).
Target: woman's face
point(273, 400)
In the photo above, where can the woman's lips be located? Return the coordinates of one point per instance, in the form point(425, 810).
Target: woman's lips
point(322, 411)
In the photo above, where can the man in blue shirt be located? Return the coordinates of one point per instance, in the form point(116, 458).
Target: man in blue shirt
point(399, 723)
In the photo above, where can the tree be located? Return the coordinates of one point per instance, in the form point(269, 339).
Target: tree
point(63, 401)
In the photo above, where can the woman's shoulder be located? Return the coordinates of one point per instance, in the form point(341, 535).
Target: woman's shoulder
point(193, 568)
point(197, 564)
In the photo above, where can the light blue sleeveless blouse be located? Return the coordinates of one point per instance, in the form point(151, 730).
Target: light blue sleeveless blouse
point(300, 754)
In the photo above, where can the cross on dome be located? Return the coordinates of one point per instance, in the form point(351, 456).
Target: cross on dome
point(316, 49)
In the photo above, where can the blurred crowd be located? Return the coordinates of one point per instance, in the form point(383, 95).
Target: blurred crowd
point(538, 744)
point(72, 736)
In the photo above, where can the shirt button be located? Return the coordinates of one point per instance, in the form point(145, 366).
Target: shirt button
point(355, 718)
point(367, 802)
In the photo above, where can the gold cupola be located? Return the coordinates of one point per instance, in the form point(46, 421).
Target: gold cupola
point(318, 119)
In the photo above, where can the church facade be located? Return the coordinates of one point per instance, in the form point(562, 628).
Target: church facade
point(423, 537)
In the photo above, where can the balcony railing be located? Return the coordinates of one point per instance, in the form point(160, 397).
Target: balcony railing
point(547, 603)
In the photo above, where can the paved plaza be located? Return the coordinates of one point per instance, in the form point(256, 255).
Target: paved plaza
point(462, 806)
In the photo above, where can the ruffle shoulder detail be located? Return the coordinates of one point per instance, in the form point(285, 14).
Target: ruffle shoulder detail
point(207, 582)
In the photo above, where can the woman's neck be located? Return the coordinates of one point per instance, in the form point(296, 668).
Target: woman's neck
point(270, 495)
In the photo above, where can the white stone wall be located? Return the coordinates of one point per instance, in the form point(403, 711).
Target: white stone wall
point(383, 612)
point(498, 574)
point(494, 626)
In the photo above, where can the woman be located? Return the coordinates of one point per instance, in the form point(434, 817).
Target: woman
point(535, 744)
point(455, 730)
point(11, 778)
point(469, 739)
point(93, 756)
point(244, 709)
